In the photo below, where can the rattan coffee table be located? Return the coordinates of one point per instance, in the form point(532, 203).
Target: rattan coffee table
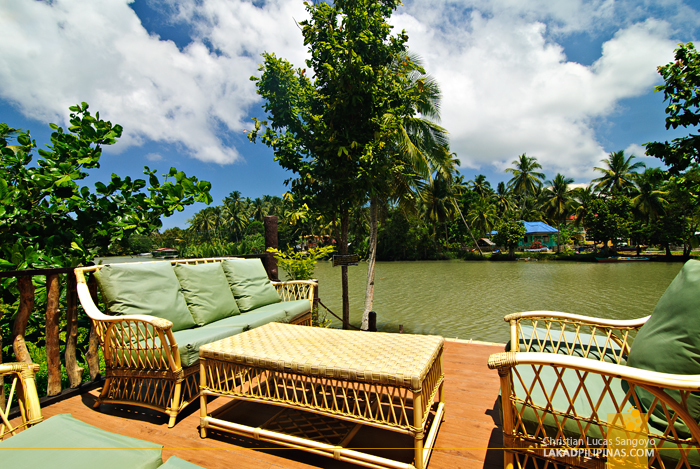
point(336, 381)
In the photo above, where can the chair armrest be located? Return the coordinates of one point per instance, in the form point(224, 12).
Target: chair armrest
point(565, 333)
point(528, 386)
point(27, 397)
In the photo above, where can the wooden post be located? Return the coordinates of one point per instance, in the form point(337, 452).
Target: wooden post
point(26, 305)
point(93, 344)
point(53, 354)
point(75, 373)
point(271, 240)
point(372, 321)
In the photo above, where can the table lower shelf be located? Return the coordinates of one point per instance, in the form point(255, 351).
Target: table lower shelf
point(365, 445)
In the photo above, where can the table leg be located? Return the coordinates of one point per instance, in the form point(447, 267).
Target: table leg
point(418, 423)
point(202, 399)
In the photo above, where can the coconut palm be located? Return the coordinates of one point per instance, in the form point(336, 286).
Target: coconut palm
point(503, 199)
point(647, 195)
point(481, 186)
point(482, 216)
point(618, 173)
point(558, 200)
point(526, 181)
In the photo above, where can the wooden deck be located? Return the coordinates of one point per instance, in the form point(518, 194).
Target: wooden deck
point(470, 436)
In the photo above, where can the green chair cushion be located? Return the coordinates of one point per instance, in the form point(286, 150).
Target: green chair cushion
point(258, 317)
point(206, 292)
point(64, 442)
point(189, 340)
point(150, 288)
point(669, 342)
point(569, 345)
point(249, 283)
point(295, 307)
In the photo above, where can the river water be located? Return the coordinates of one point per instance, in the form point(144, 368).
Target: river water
point(467, 300)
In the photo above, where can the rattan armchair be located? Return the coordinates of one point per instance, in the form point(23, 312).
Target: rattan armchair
point(23, 388)
point(142, 360)
point(566, 389)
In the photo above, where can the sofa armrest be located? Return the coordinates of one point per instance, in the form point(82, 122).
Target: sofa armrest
point(139, 342)
point(23, 385)
point(569, 334)
point(296, 290)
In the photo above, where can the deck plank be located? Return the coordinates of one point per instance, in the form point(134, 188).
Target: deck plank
point(470, 437)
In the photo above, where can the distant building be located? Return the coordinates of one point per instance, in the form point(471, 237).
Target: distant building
point(539, 231)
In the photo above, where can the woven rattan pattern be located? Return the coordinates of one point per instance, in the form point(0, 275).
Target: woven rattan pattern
point(401, 360)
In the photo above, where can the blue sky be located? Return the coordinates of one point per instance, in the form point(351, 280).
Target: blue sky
point(564, 81)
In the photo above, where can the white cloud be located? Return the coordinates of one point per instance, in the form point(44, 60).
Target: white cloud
point(509, 90)
point(507, 85)
point(154, 157)
point(57, 54)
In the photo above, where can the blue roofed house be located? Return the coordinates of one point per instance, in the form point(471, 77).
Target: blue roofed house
point(539, 231)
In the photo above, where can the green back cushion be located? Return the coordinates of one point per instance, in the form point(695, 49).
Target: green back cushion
point(249, 283)
point(149, 288)
point(206, 292)
point(669, 342)
point(64, 442)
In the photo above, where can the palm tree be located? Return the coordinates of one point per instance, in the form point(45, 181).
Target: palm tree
point(483, 216)
point(503, 199)
point(618, 175)
point(481, 186)
point(558, 200)
point(526, 180)
point(648, 198)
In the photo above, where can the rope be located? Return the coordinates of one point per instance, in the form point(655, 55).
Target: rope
point(336, 316)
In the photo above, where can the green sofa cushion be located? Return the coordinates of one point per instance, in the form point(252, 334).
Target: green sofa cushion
point(189, 340)
point(206, 292)
point(669, 342)
point(249, 283)
point(258, 317)
point(150, 288)
point(64, 442)
point(295, 307)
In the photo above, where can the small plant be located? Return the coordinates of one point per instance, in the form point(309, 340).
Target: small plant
point(300, 265)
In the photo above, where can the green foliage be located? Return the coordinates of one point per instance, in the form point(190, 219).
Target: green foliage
point(139, 243)
point(681, 92)
point(509, 233)
point(48, 220)
point(300, 265)
point(609, 220)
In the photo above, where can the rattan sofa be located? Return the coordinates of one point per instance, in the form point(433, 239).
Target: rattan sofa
point(158, 314)
point(573, 387)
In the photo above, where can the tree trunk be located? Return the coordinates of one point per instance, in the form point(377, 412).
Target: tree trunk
point(369, 291)
point(511, 252)
point(92, 355)
point(26, 305)
point(53, 353)
point(668, 250)
point(344, 227)
point(75, 372)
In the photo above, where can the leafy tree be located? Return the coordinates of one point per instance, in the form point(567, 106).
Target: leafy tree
point(558, 201)
point(608, 220)
point(509, 234)
point(681, 85)
point(331, 130)
point(618, 175)
point(48, 220)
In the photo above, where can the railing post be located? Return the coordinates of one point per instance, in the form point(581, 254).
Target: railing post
point(53, 353)
point(93, 344)
point(271, 241)
point(75, 373)
point(26, 305)
point(372, 321)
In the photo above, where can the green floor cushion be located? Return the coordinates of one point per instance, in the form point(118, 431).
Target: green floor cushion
point(258, 317)
point(189, 341)
point(206, 292)
point(150, 288)
point(174, 462)
point(64, 442)
point(669, 342)
point(569, 345)
point(249, 283)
